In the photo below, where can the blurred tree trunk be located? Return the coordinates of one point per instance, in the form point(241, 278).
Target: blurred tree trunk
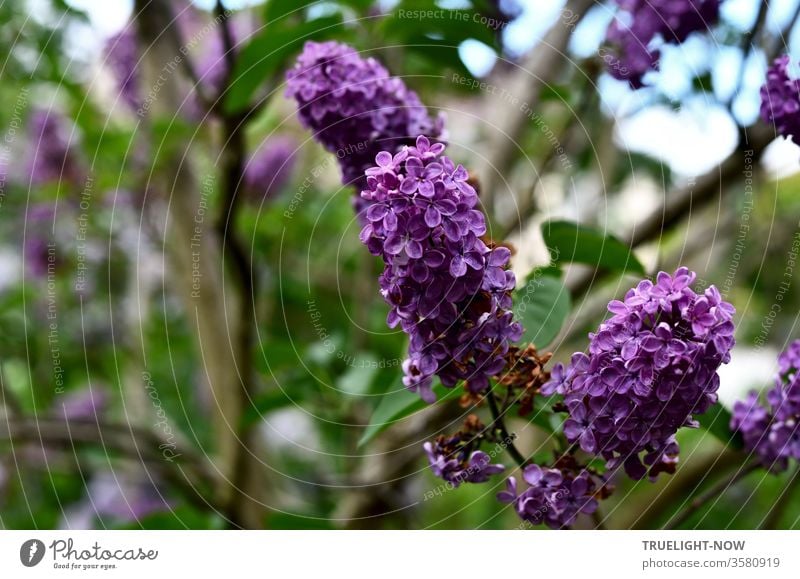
point(215, 311)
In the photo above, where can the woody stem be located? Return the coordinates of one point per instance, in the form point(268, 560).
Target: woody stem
point(498, 422)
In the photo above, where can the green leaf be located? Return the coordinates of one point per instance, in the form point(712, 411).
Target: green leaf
point(357, 379)
point(267, 52)
point(574, 243)
point(542, 305)
point(717, 421)
point(276, 10)
point(398, 403)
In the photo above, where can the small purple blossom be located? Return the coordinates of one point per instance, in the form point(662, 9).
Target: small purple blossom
point(354, 107)
point(650, 367)
point(554, 497)
point(770, 428)
point(447, 289)
point(780, 99)
point(639, 23)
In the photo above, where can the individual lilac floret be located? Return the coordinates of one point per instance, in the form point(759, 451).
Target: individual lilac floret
point(51, 157)
point(639, 23)
point(554, 497)
point(447, 289)
point(650, 367)
point(770, 430)
point(270, 167)
point(354, 107)
point(780, 99)
point(451, 460)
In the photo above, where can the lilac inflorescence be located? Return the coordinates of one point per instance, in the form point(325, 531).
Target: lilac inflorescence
point(640, 22)
point(354, 107)
point(455, 462)
point(770, 429)
point(650, 367)
point(554, 497)
point(780, 99)
point(447, 289)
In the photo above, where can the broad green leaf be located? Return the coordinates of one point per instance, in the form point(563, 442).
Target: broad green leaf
point(267, 52)
point(399, 403)
point(574, 243)
point(542, 305)
point(717, 421)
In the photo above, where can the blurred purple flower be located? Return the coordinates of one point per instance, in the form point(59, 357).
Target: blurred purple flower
point(780, 99)
point(84, 404)
point(270, 167)
point(650, 367)
point(39, 249)
point(119, 496)
point(639, 22)
point(447, 289)
point(212, 62)
point(355, 108)
point(122, 56)
point(51, 157)
point(770, 429)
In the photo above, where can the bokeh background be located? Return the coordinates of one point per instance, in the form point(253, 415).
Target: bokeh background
point(191, 334)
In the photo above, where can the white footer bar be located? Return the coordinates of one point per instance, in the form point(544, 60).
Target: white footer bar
point(390, 554)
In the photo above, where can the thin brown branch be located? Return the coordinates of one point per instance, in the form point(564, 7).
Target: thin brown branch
point(710, 494)
point(680, 202)
point(683, 485)
point(542, 66)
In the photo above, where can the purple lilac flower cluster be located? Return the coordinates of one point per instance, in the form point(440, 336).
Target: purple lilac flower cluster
point(650, 367)
point(447, 289)
point(354, 107)
point(455, 459)
point(780, 99)
point(554, 496)
point(770, 430)
point(640, 22)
